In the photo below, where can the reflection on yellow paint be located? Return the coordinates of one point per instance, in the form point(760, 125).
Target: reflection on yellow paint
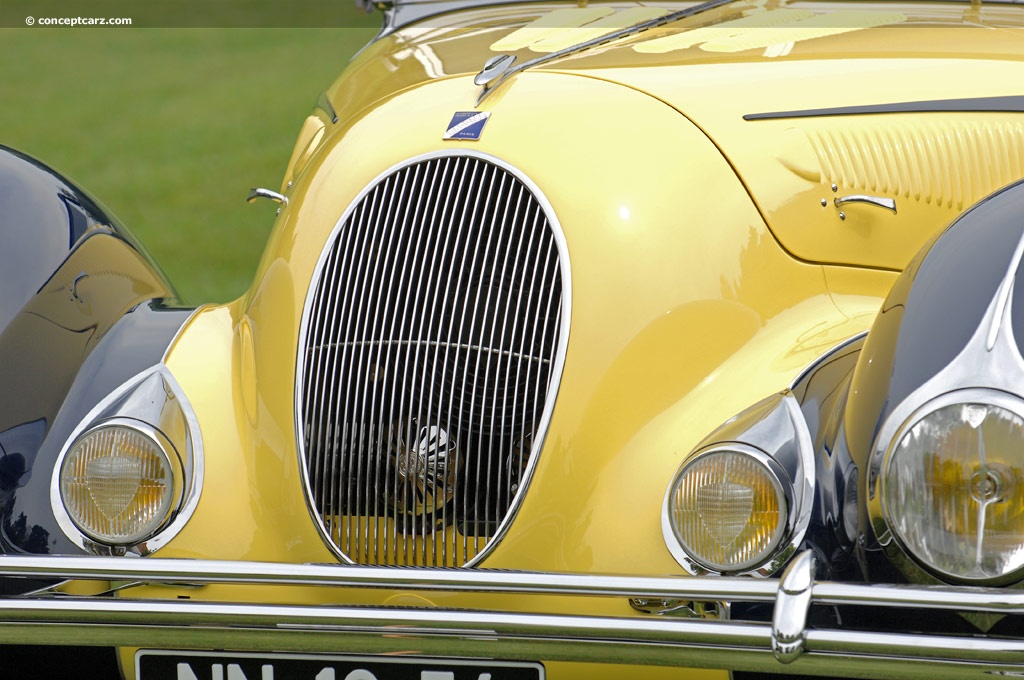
point(818, 26)
point(573, 36)
point(775, 31)
point(551, 24)
point(723, 31)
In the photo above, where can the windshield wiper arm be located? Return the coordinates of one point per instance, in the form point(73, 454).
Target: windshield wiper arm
point(494, 80)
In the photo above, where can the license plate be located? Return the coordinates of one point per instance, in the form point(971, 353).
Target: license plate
point(169, 665)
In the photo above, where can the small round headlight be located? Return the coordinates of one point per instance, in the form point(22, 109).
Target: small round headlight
point(953, 487)
point(727, 509)
point(120, 482)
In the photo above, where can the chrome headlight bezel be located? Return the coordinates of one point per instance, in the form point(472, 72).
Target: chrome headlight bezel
point(762, 562)
point(988, 369)
point(775, 435)
point(898, 547)
point(171, 477)
point(153, 404)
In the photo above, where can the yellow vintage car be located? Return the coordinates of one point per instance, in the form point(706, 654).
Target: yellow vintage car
point(593, 339)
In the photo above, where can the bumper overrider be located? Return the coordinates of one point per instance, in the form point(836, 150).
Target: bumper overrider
point(786, 645)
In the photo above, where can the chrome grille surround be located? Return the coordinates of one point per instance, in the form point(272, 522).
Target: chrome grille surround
point(401, 328)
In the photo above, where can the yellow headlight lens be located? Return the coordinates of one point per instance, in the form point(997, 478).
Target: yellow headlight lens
point(120, 484)
point(953, 491)
point(728, 511)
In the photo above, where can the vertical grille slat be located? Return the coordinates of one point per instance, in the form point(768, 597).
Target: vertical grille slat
point(530, 301)
point(432, 345)
point(365, 356)
point(341, 426)
point(478, 316)
point(403, 431)
point(381, 312)
point(424, 273)
point(449, 359)
point(351, 311)
point(508, 332)
point(439, 273)
point(397, 323)
point(324, 463)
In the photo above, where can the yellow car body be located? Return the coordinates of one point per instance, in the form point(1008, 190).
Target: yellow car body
point(738, 191)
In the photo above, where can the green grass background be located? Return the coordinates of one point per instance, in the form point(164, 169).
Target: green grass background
point(169, 128)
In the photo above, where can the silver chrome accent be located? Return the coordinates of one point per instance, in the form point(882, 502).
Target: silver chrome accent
point(772, 430)
point(821, 359)
point(989, 369)
point(879, 201)
point(691, 609)
point(426, 469)
point(675, 543)
point(169, 453)
point(398, 14)
point(1000, 313)
point(493, 69)
point(260, 192)
point(441, 299)
point(155, 398)
point(637, 639)
point(612, 36)
point(323, 102)
point(789, 621)
point(900, 555)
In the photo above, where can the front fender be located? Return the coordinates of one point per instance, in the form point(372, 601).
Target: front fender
point(83, 309)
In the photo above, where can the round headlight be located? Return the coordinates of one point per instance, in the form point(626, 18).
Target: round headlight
point(952, 490)
point(120, 482)
point(727, 509)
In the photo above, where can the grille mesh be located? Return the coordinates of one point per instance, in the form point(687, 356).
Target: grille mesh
point(430, 347)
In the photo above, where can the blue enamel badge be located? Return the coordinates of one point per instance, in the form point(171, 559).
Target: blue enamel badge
point(467, 125)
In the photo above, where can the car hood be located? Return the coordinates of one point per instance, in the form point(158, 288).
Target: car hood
point(809, 102)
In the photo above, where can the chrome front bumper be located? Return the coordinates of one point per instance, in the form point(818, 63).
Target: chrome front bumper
point(786, 645)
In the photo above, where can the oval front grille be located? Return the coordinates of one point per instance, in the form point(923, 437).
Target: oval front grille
point(432, 345)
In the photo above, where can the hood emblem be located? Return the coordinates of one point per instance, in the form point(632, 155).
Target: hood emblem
point(467, 125)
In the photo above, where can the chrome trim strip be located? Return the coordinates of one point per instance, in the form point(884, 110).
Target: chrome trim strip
point(1003, 297)
point(323, 102)
point(182, 329)
point(804, 480)
point(824, 357)
point(397, 14)
point(498, 581)
point(636, 639)
point(1008, 104)
point(666, 642)
point(612, 36)
point(307, 322)
point(183, 624)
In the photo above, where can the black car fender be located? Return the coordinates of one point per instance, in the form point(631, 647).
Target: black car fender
point(83, 309)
